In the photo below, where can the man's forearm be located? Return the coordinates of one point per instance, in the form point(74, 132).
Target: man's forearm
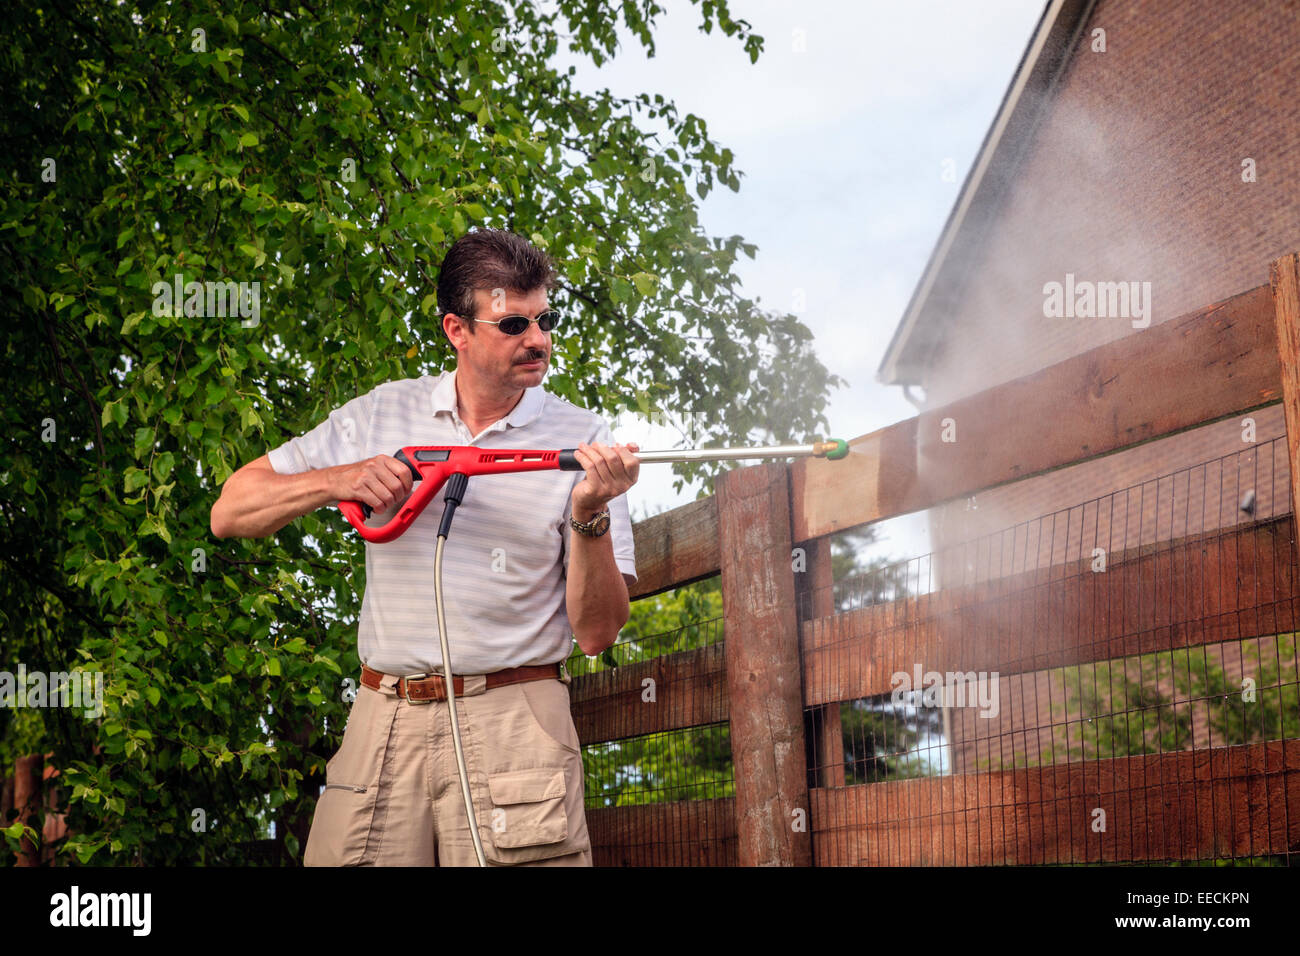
point(258, 502)
point(595, 593)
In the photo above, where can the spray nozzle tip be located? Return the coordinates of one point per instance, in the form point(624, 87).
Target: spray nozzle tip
point(835, 448)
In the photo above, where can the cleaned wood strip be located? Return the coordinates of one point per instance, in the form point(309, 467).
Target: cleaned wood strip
point(1204, 589)
point(1241, 801)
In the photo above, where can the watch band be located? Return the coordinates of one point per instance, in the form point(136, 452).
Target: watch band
point(598, 525)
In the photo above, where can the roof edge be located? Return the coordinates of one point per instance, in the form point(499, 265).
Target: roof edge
point(1041, 66)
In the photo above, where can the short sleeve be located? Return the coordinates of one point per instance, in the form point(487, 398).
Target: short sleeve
point(620, 521)
point(339, 440)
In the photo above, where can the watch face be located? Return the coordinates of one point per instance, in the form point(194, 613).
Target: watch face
point(602, 524)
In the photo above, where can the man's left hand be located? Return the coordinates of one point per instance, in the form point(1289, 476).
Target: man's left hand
point(611, 471)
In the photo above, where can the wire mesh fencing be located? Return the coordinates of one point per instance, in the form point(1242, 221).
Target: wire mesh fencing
point(652, 713)
point(1112, 682)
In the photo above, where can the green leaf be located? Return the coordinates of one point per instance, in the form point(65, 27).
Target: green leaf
point(131, 321)
point(248, 139)
point(163, 464)
point(328, 662)
point(134, 478)
point(620, 290)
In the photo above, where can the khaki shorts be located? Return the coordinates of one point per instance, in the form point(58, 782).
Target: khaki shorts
point(392, 793)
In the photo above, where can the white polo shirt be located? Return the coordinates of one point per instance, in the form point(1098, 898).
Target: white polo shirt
point(505, 559)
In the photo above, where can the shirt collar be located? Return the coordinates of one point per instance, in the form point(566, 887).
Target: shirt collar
point(528, 410)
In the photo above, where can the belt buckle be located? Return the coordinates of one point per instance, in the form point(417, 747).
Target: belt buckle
point(422, 700)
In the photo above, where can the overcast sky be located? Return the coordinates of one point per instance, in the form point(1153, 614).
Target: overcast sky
point(842, 147)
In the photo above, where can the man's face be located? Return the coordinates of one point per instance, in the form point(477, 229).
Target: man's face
point(506, 363)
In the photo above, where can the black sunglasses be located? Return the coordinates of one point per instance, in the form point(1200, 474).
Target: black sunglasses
point(516, 324)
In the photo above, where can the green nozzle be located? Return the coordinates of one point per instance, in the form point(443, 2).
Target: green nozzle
point(841, 449)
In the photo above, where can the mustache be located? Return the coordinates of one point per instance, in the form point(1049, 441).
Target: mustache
point(533, 356)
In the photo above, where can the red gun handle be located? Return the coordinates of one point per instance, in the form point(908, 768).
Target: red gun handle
point(431, 479)
point(434, 464)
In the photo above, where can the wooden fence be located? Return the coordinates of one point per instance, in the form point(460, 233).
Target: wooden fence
point(779, 682)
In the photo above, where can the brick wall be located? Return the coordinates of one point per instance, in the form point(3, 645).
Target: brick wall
point(1135, 174)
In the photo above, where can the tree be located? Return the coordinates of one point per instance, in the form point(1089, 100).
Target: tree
point(309, 166)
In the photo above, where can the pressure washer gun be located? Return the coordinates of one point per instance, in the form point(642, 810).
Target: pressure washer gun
point(432, 465)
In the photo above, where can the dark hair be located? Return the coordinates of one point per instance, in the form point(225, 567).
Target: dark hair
point(490, 259)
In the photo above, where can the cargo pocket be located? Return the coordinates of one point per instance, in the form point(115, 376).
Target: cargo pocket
point(548, 706)
point(341, 827)
point(527, 818)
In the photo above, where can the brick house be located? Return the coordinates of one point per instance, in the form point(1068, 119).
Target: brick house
point(1154, 142)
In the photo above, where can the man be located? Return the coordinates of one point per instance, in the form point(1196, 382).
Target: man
point(531, 559)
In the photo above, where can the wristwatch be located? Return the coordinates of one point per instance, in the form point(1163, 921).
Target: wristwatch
point(594, 528)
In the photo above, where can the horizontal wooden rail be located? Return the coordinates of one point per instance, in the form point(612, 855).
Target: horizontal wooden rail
point(689, 690)
point(682, 833)
point(1237, 802)
point(1189, 371)
point(1204, 589)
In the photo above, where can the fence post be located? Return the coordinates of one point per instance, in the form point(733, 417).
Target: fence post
point(1284, 277)
point(763, 670)
point(6, 804)
point(27, 801)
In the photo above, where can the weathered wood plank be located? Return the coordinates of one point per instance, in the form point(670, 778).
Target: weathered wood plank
point(676, 547)
point(1120, 394)
point(1284, 277)
point(682, 833)
point(1235, 802)
point(690, 689)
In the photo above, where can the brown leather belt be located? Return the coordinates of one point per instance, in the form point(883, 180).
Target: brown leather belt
point(421, 690)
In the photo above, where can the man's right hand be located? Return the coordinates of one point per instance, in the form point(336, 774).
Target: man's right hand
point(257, 501)
point(380, 482)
